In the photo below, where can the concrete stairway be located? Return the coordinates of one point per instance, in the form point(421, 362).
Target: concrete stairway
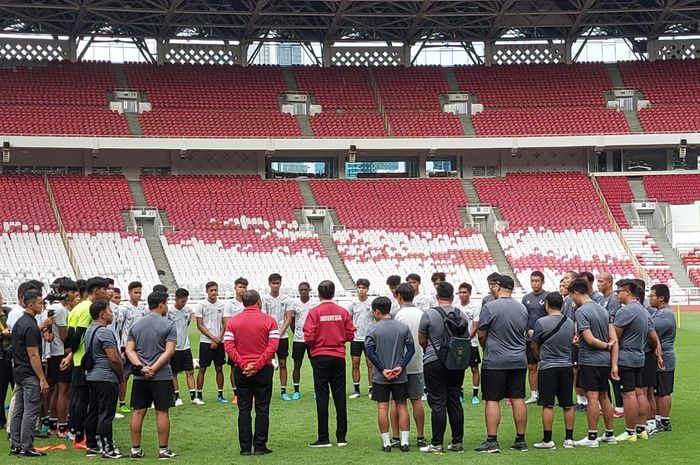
point(680, 274)
point(615, 75)
point(629, 212)
point(341, 271)
point(165, 273)
point(292, 87)
point(633, 123)
point(132, 119)
point(152, 238)
point(305, 125)
point(306, 192)
point(464, 120)
point(470, 190)
point(451, 77)
point(137, 194)
point(467, 126)
point(637, 187)
point(499, 257)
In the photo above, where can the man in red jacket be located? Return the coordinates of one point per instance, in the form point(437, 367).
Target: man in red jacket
point(251, 340)
point(327, 328)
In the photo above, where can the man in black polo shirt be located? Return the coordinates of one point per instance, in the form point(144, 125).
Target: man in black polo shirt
point(534, 303)
point(30, 382)
point(502, 326)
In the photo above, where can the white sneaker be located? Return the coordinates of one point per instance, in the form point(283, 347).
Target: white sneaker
point(545, 445)
point(568, 443)
point(179, 402)
point(118, 416)
point(275, 363)
point(424, 397)
point(197, 401)
point(431, 449)
point(354, 395)
point(611, 440)
point(626, 437)
point(531, 400)
point(585, 442)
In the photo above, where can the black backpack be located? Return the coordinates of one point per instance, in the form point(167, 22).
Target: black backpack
point(455, 352)
point(88, 361)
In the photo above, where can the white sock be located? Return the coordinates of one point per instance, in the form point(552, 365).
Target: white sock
point(658, 417)
point(620, 409)
point(535, 393)
point(404, 437)
point(582, 400)
point(386, 439)
point(651, 423)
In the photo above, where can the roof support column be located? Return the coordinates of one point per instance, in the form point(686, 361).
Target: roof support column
point(488, 52)
point(406, 58)
point(326, 54)
point(72, 49)
point(568, 47)
point(160, 51)
point(652, 49)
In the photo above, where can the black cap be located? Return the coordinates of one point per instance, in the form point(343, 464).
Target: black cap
point(506, 282)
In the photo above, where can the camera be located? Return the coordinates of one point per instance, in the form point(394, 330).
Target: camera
point(53, 297)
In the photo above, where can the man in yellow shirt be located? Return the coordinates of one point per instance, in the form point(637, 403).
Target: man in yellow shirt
point(78, 322)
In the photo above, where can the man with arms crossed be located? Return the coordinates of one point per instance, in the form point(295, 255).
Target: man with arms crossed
point(390, 346)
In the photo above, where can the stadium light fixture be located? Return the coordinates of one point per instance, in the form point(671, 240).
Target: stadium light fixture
point(95, 152)
point(183, 154)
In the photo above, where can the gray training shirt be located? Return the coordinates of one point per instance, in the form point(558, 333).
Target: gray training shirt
point(569, 308)
point(431, 323)
point(665, 325)
point(593, 317)
point(556, 350)
point(391, 339)
point(635, 320)
point(534, 303)
point(610, 303)
point(150, 334)
point(103, 339)
point(505, 320)
point(182, 319)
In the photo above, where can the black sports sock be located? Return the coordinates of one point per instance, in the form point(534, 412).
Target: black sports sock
point(592, 435)
point(235, 391)
point(519, 438)
point(122, 403)
point(296, 388)
point(356, 386)
point(284, 390)
point(492, 438)
point(475, 392)
point(547, 436)
point(193, 394)
point(199, 395)
point(570, 434)
point(177, 394)
point(220, 393)
point(609, 433)
point(640, 429)
point(665, 422)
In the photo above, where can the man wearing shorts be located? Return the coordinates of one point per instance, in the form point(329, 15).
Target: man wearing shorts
point(502, 326)
point(210, 323)
point(300, 307)
point(665, 325)
point(181, 314)
point(276, 305)
point(360, 310)
point(551, 345)
point(389, 344)
point(411, 315)
point(471, 312)
point(231, 309)
point(597, 361)
point(632, 326)
point(150, 346)
point(534, 303)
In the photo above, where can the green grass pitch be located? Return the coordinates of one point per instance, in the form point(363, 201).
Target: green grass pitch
point(208, 434)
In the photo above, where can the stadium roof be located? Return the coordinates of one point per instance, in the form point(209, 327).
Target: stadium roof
point(361, 20)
